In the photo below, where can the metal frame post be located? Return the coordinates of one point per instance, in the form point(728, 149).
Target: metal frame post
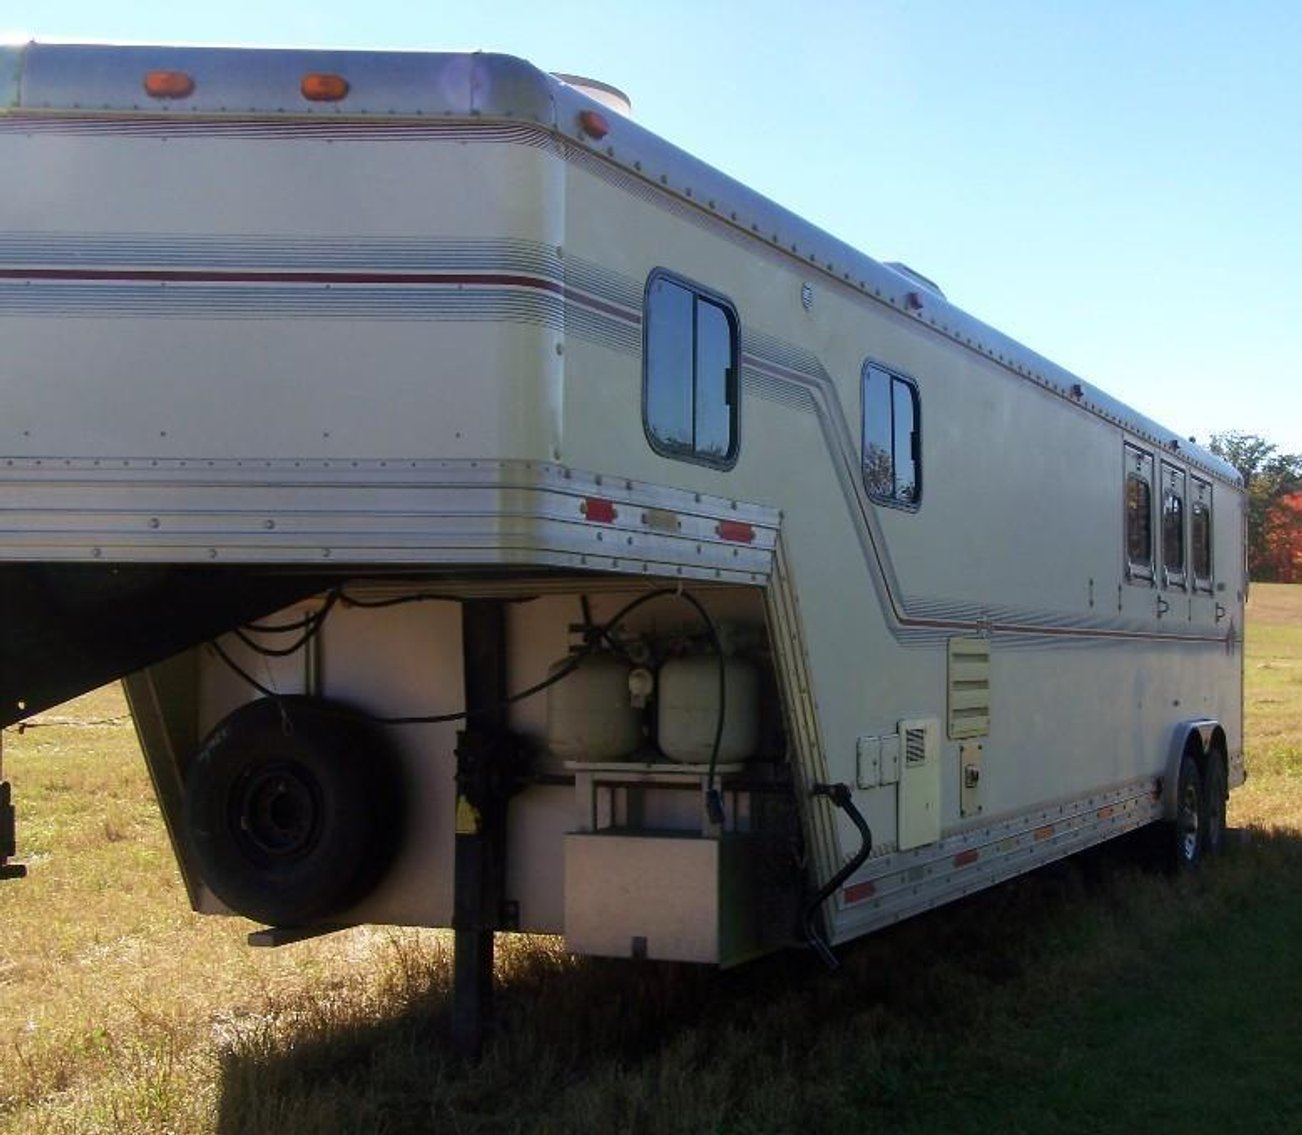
point(8, 835)
point(484, 783)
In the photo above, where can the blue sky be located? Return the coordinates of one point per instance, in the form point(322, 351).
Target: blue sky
point(1117, 185)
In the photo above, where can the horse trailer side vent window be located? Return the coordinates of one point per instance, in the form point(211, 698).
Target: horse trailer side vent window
point(1139, 514)
point(892, 438)
point(689, 393)
point(1200, 535)
point(1173, 527)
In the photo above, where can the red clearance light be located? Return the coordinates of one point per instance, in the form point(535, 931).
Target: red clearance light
point(857, 892)
point(736, 531)
point(594, 124)
point(966, 858)
point(168, 85)
point(324, 88)
point(598, 510)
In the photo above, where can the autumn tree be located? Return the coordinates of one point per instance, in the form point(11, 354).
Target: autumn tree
point(1269, 477)
point(1284, 539)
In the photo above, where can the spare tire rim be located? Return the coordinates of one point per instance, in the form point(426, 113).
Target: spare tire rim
point(277, 812)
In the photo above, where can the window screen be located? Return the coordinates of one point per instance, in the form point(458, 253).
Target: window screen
point(1173, 526)
point(1139, 514)
point(892, 449)
point(1200, 535)
point(690, 373)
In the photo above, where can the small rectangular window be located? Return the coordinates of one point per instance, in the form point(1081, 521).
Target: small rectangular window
point(892, 448)
point(1139, 514)
point(1173, 526)
point(689, 393)
point(1200, 535)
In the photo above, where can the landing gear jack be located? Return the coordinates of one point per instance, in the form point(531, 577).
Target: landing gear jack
point(489, 762)
point(8, 843)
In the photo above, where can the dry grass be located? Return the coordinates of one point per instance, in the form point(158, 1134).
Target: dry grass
point(121, 1011)
point(1272, 798)
point(115, 999)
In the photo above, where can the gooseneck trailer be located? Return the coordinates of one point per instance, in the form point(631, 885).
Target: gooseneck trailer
point(502, 520)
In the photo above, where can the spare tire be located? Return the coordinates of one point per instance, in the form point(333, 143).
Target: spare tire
point(292, 809)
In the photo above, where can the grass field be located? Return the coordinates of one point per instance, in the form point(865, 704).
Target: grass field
point(1101, 996)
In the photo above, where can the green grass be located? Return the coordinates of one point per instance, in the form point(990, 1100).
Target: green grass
point(1100, 996)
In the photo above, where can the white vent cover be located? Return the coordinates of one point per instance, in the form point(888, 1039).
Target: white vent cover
point(919, 793)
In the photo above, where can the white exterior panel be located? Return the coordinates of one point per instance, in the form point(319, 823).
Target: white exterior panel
point(226, 297)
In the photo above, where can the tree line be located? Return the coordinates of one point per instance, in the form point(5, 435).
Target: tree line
point(1273, 481)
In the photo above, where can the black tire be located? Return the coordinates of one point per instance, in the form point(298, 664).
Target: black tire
point(1187, 831)
point(1215, 791)
point(292, 810)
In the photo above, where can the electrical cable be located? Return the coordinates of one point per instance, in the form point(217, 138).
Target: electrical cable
point(312, 623)
point(311, 626)
point(571, 664)
point(401, 600)
point(217, 649)
point(298, 624)
point(277, 651)
point(282, 628)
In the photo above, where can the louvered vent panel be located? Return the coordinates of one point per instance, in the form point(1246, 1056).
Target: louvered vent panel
point(969, 687)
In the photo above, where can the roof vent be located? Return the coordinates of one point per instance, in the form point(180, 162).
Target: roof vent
point(611, 97)
point(916, 277)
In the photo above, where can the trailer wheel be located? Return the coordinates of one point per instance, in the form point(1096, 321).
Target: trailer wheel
point(1215, 791)
point(292, 810)
point(1187, 831)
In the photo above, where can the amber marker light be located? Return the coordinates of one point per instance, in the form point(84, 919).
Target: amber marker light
point(168, 85)
point(324, 88)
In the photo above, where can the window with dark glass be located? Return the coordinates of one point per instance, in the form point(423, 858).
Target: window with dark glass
point(1139, 514)
point(1173, 526)
point(1200, 535)
point(690, 377)
point(892, 449)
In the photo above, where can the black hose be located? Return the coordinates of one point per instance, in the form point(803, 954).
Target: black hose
point(839, 794)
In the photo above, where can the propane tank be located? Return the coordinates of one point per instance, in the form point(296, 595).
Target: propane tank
point(590, 715)
point(689, 708)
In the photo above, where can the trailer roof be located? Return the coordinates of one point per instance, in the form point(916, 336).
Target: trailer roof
point(110, 79)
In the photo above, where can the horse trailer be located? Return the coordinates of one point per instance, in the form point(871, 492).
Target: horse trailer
point(501, 520)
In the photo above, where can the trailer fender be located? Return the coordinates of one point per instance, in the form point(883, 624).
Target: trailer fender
point(1200, 736)
point(292, 809)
